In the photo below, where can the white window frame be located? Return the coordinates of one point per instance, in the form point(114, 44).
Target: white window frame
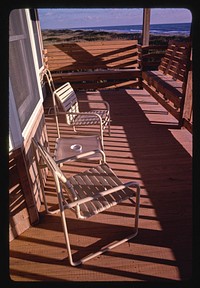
point(16, 134)
point(39, 36)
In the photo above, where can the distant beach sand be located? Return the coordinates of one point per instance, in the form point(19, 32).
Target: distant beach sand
point(68, 36)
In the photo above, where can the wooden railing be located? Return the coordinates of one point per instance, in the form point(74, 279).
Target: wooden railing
point(111, 64)
point(188, 105)
point(149, 57)
point(93, 65)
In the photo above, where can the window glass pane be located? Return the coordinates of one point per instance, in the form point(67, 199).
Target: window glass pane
point(17, 73)
point(22, 71)
point(15, 23)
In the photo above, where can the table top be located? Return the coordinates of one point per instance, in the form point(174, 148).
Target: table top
point(72, 146)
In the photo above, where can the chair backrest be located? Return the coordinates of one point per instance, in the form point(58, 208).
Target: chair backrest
point(67, 100)
point(63, 97)
point(55, 170)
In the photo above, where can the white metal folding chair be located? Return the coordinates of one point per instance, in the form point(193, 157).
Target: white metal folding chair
point(89, 193)
point(65, 98)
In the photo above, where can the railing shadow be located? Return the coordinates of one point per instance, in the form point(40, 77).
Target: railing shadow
point(83, 228)
point(85, 60)
point(166, 171)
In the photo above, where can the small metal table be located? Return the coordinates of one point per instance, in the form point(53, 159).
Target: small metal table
point(72, 146)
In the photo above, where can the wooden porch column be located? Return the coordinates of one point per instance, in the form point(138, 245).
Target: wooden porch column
point(146, 26)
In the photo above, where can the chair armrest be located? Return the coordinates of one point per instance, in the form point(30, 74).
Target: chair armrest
point(104, 193)
point(82, 155)
point(88, 115)
point(81, 113)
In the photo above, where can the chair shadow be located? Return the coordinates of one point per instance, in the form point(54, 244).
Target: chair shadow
point(78, 228)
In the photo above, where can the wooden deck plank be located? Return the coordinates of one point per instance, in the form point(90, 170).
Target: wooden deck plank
point(145, 145)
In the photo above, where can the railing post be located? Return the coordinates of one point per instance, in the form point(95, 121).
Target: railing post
point(188, 107)
point(146, 26)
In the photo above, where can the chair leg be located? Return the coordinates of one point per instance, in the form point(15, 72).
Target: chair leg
point(107, 247)
point(46, 205)
point(67, 241)
point(39, 167)
point(91, 256)
point(74, 128)
point(137, 205)
point(109, 128)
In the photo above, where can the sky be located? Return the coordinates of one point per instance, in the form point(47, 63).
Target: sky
point(85, 17)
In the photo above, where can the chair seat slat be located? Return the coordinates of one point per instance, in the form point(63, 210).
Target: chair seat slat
point(96, 180)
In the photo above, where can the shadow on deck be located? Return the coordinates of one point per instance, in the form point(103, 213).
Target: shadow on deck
point(145, 145)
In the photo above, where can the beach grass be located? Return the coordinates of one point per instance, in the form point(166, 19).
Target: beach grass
point(69, 36)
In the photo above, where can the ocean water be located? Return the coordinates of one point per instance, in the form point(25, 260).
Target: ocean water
point(159, 29)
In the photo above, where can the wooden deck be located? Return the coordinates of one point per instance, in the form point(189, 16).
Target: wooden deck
point(145, 145)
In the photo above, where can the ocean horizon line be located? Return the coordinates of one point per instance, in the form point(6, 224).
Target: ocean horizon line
point(166, 29)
